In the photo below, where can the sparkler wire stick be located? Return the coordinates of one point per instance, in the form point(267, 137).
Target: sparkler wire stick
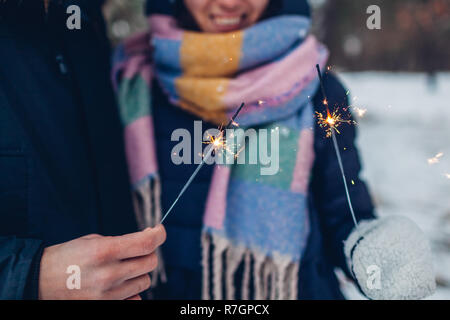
point(205, 158)
point(336, 148)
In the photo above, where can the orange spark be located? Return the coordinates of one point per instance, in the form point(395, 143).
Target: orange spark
point(360, 112)
point(331, 121)
point(220, 144)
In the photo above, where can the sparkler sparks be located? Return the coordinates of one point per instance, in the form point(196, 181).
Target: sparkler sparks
point(217, 142)
point(360, 111)
point(447, 175)
point(330, 123)
point(221, 145)
point(435, 159)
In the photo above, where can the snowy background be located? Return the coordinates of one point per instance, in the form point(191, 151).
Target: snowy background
point(407, 122)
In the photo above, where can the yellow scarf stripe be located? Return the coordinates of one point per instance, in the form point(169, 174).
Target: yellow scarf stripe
point(205, 92)
point(218, 117)
point(210, 55)
point(207, 61)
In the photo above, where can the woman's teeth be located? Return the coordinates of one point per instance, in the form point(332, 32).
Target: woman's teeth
point(227, 21)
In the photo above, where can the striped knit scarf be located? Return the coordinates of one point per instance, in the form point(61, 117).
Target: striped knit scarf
point(258, 221)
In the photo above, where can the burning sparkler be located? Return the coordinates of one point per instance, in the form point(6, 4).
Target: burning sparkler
point(330, 123)
point(217, 142)
point(220, 142)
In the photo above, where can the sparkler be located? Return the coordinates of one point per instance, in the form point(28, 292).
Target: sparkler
point(330, 123)
point(216, 142)
point(219, 142)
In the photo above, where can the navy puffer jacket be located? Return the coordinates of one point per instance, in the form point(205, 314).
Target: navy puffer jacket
point(62, 164)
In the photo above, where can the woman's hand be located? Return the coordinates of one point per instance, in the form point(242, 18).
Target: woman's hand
point(109, 267)
point(391, 259)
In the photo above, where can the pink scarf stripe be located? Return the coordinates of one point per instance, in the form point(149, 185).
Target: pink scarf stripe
point(214, 216)
point(283, 84)
point(140, 149)
point(133, 59)
point(304, 162)
point(163, 26)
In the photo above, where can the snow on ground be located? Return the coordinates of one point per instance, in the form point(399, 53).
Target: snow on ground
point(407, 122)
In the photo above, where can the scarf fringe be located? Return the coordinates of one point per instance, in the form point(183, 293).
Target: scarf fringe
point(273, 278)
point(147, 207)
point(206, 245)
point(233, 259)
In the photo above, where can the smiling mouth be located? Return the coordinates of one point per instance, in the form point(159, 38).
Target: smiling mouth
point(228, 23)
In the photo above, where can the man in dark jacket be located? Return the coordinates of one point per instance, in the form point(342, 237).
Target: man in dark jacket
point(62, 166)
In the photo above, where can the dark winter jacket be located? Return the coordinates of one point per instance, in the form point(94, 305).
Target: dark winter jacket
point(62, 165)
point(330, 217)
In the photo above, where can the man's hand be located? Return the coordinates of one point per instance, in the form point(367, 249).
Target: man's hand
point(111, 267)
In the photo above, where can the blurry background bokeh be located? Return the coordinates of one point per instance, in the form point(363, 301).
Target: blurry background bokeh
point(414, 34)
point(399, 83)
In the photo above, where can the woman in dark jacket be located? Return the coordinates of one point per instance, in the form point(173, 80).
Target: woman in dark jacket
point(237, 233)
